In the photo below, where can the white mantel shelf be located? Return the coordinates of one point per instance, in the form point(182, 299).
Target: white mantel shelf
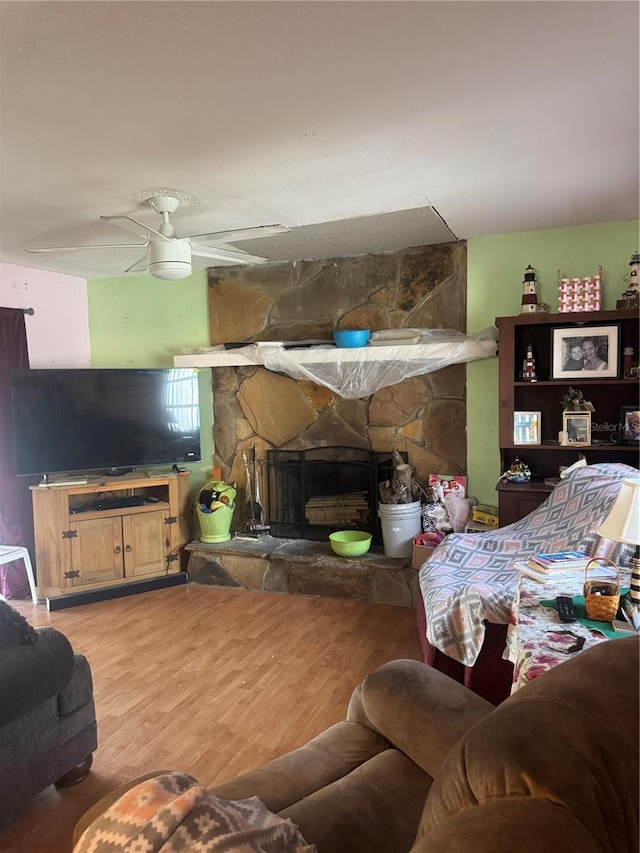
point(356, 372)
point(246, 356)
point(312, 355)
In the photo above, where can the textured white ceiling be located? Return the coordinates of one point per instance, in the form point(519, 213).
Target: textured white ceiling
point(344, 120)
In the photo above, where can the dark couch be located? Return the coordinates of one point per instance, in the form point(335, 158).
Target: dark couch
point(47, 714)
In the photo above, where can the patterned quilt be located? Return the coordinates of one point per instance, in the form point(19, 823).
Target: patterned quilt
point(469, 577)
point(172, 813)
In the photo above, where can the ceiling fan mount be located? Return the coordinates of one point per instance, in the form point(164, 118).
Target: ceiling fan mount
point(164, 203)
point(169, 256)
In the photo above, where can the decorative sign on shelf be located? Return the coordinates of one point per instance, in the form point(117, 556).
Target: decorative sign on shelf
point(579, 294)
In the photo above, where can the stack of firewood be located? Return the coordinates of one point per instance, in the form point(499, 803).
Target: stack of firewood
point(348, 509)
point(402, 488)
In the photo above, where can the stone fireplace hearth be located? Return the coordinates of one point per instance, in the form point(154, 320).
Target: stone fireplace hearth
point(297, 567)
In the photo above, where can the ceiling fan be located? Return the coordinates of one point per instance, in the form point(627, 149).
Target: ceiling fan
point(169, 256)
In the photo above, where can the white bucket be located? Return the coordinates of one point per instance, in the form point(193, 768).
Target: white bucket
point(400, 523)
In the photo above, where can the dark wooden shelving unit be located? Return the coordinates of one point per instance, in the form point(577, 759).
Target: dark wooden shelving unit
point(608, 396)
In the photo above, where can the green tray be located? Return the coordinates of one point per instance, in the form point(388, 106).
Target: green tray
point(581, 616)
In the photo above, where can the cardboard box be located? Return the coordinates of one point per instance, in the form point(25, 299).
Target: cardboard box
point(485, 514)
point(421, 553)
point(478, 527)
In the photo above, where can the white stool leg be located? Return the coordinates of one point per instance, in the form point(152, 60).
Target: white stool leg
point(8, 554)
point(32, 580)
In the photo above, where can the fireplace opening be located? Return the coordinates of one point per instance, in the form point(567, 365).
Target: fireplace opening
point(317, 491)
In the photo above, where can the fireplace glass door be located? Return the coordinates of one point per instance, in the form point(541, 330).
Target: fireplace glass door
point(314, 492)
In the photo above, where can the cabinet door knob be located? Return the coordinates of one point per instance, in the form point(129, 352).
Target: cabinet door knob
point(118, 549)
point(128, 548)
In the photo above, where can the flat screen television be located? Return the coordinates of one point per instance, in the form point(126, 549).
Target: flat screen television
point(76, 421)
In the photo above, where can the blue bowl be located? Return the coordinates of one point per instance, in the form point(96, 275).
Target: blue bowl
point(351, 337)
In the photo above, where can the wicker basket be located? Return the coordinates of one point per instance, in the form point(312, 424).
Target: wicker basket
point(601, 598)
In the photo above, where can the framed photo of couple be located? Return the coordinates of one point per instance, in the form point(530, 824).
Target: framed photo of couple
point(585, 352)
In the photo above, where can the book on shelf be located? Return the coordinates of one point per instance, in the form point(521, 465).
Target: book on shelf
point(552, 481)
point(539, 575)
point(543, 577)
point(559, 561)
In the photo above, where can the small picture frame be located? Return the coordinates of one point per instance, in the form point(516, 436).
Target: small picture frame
point(629, 425)
point(576, 427)
point(587, 352)
point(527, 427)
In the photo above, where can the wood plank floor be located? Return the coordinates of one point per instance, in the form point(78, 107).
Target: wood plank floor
point(208, 680)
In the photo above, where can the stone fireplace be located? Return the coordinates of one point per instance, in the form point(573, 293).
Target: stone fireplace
point(424, 416)
point(294, 422)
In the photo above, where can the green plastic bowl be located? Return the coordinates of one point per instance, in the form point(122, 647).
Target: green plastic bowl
point(350, 543)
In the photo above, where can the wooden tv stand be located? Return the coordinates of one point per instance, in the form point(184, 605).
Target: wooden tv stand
point(80, 547)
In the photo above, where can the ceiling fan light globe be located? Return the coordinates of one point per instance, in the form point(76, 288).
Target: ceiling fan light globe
point(170, 270)
point(170, 260)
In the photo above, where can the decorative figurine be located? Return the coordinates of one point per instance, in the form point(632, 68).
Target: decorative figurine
point(631, 296)
point(528, 372)
point(634, 272)
point(518, 473)
point(529, 303)
point(573, 401)
point(628, 361)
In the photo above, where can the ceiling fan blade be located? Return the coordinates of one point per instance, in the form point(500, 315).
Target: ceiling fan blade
point(77, 248)
point(236, 257)
point(240, 234)
point(135, 226)
point(141, 265)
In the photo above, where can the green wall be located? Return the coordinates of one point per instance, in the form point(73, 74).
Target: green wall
point(495, 267)
point(140, 321)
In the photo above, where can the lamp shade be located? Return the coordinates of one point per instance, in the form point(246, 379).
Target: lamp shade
point(623, 522)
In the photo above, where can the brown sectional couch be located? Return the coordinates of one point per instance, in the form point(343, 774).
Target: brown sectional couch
point(423, 764)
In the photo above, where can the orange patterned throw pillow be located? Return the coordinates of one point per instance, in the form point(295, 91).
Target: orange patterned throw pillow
point(172, 813)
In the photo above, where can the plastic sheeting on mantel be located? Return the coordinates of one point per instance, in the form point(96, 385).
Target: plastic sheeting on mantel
point(355, 372)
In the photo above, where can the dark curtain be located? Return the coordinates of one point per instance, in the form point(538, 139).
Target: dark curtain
point(16, 517)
